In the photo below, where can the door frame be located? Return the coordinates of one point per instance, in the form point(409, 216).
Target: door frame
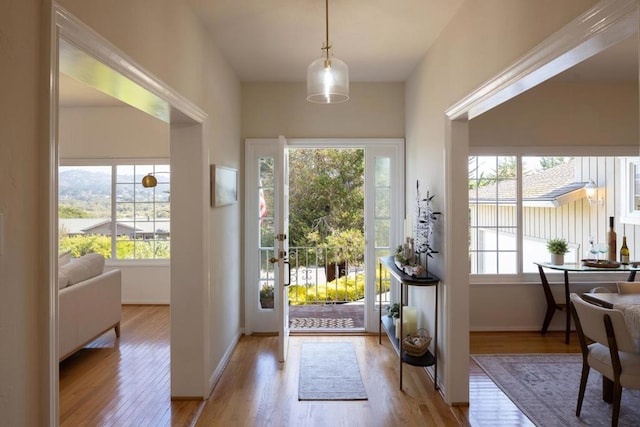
point(189, 204)
point(266, 321)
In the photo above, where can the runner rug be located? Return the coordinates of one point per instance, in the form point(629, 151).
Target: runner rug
point(329, 371)
point(545, 388)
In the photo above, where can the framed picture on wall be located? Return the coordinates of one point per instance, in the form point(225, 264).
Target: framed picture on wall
point(224, 186)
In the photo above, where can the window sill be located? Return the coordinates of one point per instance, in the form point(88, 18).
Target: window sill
point(135, 263)
point(534, 278)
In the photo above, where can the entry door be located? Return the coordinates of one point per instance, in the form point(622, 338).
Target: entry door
point(266, 217)
point(266, 239)
point(282, 258)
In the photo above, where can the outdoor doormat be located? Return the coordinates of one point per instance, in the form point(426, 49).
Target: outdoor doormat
point(329, 371)
point(545, 388)
point(317, 322)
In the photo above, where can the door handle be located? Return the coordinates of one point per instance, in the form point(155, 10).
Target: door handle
point(288, 273)
point(274, 260)
point(281, 255)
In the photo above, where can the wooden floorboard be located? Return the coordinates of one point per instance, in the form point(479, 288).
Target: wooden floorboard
point(126, 382)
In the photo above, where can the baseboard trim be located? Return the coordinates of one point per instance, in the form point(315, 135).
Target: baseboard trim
point(511, 329)
point(179, 398)
point(217, 373)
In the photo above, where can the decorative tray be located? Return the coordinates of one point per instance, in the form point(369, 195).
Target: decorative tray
point(600, 264)
point(411, 270)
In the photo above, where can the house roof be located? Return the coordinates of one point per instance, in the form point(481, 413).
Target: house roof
point(551, 187)
point(86, 225)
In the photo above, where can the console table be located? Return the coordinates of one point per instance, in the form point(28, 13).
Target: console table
point(428, 359)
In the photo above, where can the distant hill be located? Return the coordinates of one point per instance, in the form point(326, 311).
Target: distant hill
point(77, 184)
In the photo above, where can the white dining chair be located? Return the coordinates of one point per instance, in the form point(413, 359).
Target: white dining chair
point(612, 353)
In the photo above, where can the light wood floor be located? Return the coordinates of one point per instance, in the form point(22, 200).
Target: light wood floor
point(126, 383)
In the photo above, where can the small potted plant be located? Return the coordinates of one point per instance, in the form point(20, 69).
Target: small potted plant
point(557, 248)
point(266, 296)
point(393, 311)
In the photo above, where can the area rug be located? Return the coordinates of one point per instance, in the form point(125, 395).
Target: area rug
point(316, 322)
point(545, 388)
point(329, 371)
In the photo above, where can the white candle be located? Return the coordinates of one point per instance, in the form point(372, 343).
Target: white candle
point(409, 320)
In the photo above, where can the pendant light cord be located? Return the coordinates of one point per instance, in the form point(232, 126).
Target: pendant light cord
point(327, 47)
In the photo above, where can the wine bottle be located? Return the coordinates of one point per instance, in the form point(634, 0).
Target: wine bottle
point(611, 241)
point(624, 251)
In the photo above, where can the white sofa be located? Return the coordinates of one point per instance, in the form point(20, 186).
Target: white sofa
point(90, 302)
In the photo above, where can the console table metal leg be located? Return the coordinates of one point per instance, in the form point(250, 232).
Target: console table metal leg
point(399, 332)
point(380, 303)
point(567, 298)
point(435, 343)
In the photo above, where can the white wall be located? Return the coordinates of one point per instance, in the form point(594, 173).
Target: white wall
point(144, 284)
point(111, 132)
point(374, 110)
point(24, 200)
point(482, 39)
point(563, 114)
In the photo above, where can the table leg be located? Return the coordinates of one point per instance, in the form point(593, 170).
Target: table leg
point(551, 304)
point(607, 389)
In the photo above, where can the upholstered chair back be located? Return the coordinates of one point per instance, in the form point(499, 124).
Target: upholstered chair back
point(592, 322)
point(629, 287)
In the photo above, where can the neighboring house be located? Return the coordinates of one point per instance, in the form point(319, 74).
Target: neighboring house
point(135, 229)
point(550, 187)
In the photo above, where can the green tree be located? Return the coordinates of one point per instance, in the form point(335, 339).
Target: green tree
point(550, 162)
point(326, 194)
point(67, 211)
point(476, 181)
point(507, 167)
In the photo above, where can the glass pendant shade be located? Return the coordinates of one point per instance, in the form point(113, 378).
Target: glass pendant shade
point(327, 80)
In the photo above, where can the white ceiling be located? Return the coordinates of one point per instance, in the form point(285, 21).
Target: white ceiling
point(275, 40)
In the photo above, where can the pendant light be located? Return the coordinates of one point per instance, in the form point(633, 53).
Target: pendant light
point(149, 181)
point(327, 76)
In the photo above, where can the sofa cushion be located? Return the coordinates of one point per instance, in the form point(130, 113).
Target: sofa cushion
point(83, 268)
point(64, 258)
point(63, 279)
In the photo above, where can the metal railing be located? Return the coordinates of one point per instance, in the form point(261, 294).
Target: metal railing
point(322, 275)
